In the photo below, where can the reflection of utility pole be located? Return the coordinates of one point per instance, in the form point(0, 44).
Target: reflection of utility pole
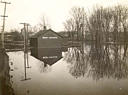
point(82, 38)
point(25, 49)
point(3, 27)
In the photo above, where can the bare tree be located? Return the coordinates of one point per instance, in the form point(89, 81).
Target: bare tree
point(35, 28)
point(109, 25)
point(99, 24)
point(121, 24)
point(43, 24)
point(76, 23)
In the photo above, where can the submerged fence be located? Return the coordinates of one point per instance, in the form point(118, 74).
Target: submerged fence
point(14, 45)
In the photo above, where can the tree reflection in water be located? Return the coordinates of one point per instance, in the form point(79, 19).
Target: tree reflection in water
point(107, 61)
point(77, 61)
point(103, 61)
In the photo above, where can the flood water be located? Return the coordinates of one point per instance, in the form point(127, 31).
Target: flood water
point(92, 70)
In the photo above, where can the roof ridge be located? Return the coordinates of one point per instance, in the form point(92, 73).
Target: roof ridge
point(41, 32)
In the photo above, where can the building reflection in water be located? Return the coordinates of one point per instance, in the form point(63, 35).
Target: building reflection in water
point(49, 55)
point(102, 61)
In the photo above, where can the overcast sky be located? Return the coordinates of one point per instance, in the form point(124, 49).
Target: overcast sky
point(56, 11)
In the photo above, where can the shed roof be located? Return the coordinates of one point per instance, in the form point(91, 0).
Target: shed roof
point(42, 32)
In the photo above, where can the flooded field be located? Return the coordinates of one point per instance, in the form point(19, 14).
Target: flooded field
point(72, 47)
point(94, 71)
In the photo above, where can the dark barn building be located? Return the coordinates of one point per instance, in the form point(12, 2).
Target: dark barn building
point(46, 45)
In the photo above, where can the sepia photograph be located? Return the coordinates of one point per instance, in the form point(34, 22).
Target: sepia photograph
point(63, 47)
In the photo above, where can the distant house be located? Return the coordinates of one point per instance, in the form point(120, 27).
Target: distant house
point(46, 45)
point(65, 34)
point(74, 35)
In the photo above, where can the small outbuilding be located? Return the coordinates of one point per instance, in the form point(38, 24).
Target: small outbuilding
point(46, 44)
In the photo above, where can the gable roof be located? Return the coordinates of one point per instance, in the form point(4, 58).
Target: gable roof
point(42, 32)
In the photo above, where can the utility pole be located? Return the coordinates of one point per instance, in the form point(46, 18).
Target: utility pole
point(27, 44)
point(25, 49)
point(3, 27)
